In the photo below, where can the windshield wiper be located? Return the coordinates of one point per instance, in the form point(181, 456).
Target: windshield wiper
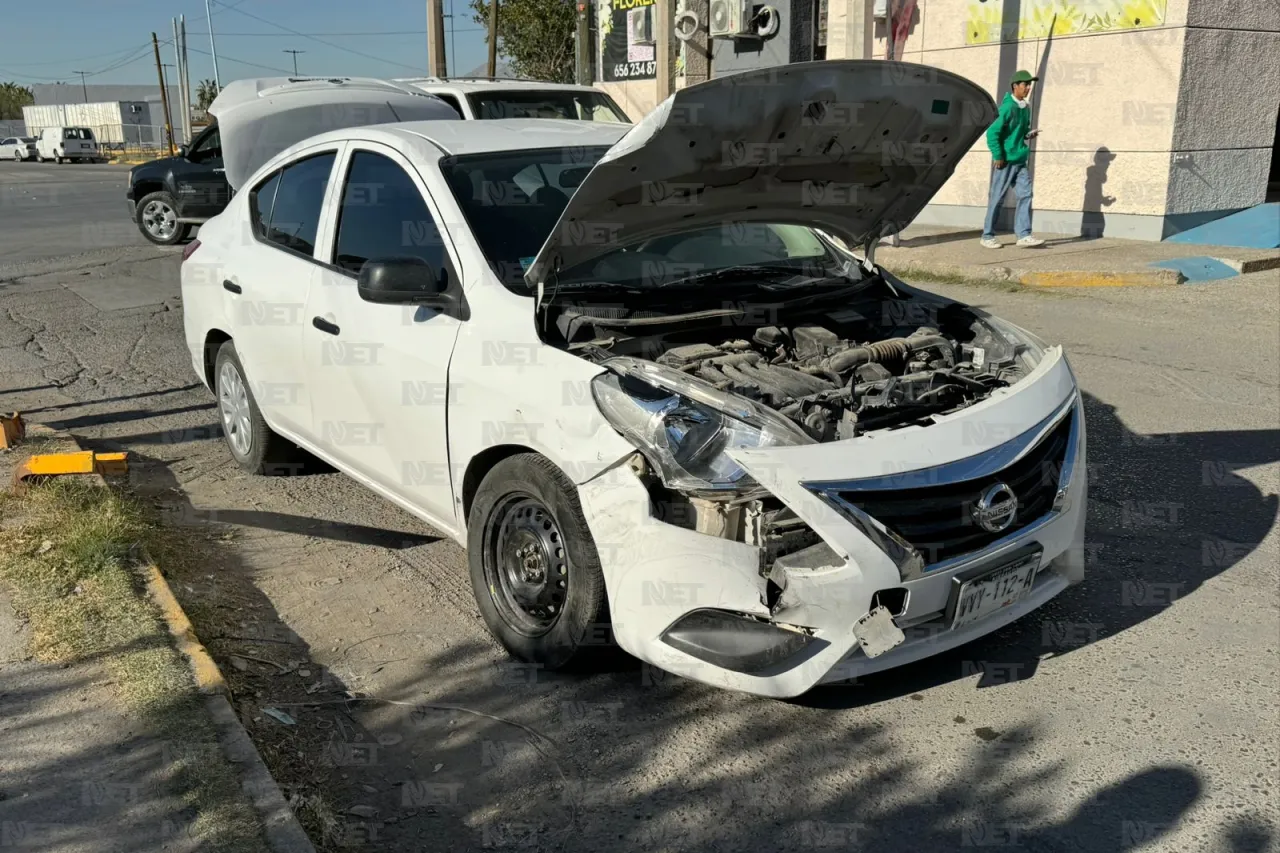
point(734, 274)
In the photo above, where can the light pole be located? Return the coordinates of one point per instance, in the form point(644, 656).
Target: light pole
point(213, 48)
point(295, 59)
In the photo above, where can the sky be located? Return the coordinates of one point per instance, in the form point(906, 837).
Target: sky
point(47, 42)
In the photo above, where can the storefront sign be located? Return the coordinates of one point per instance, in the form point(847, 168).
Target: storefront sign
point(626, 40)
point(1040, 18)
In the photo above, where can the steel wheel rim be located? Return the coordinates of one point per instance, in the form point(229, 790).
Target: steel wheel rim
point(526, 564)
point(159, 219)
point(233, 403)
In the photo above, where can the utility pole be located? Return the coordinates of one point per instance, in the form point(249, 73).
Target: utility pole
point(295, 59)
point(493, 38)
point(860, 30)
point(662, 48)
point(582, 39)
point(186, 82)
point(164, 94)
point(437, 64)
point(213, 48)
point(83, 87)
point(176, 116)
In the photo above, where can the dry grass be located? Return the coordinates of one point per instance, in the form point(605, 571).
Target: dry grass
point(70, 556)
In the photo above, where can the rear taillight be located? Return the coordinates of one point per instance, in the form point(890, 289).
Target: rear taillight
point(189, 249)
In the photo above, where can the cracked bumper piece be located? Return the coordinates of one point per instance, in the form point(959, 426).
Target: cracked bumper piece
point(702, 607)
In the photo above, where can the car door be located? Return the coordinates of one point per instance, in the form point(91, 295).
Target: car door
point(267, 286)
point(200, 180)
point(380, 372)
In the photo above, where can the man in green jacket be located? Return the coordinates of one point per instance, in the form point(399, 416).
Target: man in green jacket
point(1007, 138)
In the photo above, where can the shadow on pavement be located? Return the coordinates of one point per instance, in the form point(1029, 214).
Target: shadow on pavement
point(419, 746)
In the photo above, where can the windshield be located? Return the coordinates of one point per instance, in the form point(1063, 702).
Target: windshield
point(512, 201)
point(581, 105)
point(77, 133)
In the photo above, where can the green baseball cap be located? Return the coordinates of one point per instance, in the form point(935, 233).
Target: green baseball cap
point(1023, 77)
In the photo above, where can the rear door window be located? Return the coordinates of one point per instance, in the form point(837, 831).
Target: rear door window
point(295, 215)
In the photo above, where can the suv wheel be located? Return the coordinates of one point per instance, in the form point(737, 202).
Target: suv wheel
point(157, 218)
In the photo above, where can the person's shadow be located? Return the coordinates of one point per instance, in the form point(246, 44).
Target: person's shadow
point(1094, 222)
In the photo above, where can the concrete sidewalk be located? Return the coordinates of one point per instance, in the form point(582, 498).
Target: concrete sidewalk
point(1065, 261)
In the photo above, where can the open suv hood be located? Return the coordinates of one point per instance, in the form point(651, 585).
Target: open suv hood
point(853, 147)
point(262, 117)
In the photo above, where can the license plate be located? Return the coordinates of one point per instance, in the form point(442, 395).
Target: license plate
point(1001, 587)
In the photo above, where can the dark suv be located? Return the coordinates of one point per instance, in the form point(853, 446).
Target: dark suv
point(169, 195)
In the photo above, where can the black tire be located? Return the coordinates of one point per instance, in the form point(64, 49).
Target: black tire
point(578, 634)
point(264, 452)
point(156, 235)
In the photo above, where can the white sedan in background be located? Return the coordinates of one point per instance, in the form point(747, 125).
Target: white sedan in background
point(638, 375)
point(18, 148)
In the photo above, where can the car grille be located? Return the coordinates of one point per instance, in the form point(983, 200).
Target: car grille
point(937, 520)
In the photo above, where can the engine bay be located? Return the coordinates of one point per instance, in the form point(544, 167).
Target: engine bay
point(875, 362)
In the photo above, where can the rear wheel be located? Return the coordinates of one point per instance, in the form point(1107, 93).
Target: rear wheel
point(253, 444)
point(535, 571)
point(17, 156)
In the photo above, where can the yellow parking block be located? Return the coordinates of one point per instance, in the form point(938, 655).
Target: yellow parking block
point(1095, 279)
point(82, 462)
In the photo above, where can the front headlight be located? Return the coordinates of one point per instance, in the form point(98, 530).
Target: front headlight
point(684, 425)
point(1030, 348)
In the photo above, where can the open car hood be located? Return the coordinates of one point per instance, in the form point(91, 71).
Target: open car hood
point(853, 147)
point(262, 117)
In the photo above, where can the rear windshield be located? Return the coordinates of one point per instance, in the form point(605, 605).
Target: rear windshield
point(77, 133)
point(564, 104)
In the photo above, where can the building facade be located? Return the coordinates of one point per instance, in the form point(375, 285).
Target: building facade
point(1155, 115)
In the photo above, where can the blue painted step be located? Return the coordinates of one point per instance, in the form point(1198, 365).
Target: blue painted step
point(1198, 269)
point(1253, 228)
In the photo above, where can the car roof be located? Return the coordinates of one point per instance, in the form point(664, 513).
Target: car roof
point(484, 84)
point(483, 137)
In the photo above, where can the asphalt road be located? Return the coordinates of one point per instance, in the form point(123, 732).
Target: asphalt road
point(49, 210)
point(1137, 711)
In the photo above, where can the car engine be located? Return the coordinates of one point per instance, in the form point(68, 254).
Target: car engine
point(836, 375)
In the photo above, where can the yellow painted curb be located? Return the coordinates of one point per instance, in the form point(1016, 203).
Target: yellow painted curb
point(1095, 279)
point(208, 677)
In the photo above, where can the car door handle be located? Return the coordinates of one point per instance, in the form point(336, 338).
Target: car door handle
point(232, 286)
point(324, 325)
point(219, 171)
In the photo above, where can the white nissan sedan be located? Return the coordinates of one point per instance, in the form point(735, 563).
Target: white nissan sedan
point(640, 376)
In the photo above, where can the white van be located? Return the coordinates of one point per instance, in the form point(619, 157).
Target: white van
point(67, 143)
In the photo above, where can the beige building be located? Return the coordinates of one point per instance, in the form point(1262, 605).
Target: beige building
point(1155, 115)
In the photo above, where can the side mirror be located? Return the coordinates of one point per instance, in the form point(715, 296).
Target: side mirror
point(402, 281)
point(183, 149)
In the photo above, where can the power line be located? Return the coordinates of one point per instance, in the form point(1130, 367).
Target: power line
point(223, 56)
point(327, 43)
point(414, 33)
point(80, 60)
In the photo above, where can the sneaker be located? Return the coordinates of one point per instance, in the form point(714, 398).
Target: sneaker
point(1029, 242)
point(991, 242)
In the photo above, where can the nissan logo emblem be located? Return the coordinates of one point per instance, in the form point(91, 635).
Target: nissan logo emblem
point(996, 508)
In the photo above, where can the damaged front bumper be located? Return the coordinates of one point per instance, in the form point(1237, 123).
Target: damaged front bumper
point(694, 601)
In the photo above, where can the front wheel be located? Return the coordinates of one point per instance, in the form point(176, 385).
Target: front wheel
point(535, 571)
point(157, 219)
